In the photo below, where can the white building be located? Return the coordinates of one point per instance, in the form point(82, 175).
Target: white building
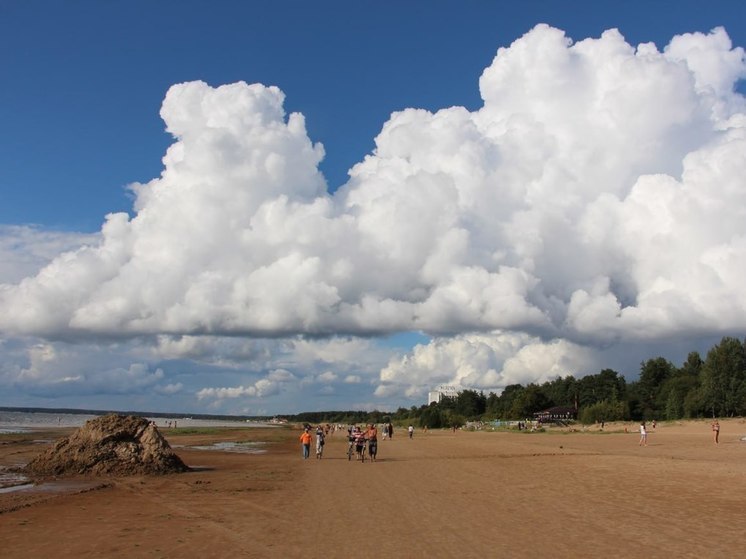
point(440, 392)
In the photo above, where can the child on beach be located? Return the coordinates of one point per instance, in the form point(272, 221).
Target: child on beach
point(359, 437)
point(716, 431)
point(643, 435)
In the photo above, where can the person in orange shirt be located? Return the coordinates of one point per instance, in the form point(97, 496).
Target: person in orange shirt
point(305, 440)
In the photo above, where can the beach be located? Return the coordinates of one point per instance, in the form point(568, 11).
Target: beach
point(561, 493)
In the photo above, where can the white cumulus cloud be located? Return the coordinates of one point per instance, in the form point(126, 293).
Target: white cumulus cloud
point(270, 385)
point(596, 197)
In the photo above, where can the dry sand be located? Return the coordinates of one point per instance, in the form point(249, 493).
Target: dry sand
point(442, 494)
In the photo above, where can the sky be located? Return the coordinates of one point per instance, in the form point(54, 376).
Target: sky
point(273, 207)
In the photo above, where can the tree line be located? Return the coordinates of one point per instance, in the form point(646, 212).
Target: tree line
point(711, 387)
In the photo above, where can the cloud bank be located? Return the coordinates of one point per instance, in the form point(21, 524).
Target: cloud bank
point(596, 198)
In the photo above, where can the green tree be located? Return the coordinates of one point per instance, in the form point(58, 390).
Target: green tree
point(470, 404)
point(492, 406)
point(432, 417)
point(684, 381)
point(606, 385)
point(528, 402)
point(504, 404)
point(723, 375)
point(561, 391)
point(603, 411)
point(693, 365)
point(453, 419)
point(694, 404)
point(653, 374)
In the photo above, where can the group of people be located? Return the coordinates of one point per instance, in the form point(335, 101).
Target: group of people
point(360, 440)
point(306, 438)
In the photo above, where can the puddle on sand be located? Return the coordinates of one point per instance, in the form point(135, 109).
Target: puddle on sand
point(201, 468)
point(13, 481)
point(242, 448)
point(14, 488)
point(55, 487)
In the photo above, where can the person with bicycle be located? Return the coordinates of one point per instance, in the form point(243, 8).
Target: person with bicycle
point(360, 444)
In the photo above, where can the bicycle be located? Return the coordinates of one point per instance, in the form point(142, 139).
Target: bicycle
point(358, 445)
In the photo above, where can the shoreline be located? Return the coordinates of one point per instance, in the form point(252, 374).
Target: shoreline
point(20, 421)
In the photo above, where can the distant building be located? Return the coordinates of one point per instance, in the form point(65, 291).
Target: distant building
point(440, 392)
point(557, 414)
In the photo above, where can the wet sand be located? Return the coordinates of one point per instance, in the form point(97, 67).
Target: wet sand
point(441, 494)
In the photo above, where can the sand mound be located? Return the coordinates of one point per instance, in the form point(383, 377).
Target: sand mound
point(112, 444)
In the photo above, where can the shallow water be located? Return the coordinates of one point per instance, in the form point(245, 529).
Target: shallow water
point(11, 481)
point(23, 422)
point(54, 487)
point(243, 448)
point(14, 488)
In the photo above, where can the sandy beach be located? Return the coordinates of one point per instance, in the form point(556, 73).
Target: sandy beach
point(441, 494)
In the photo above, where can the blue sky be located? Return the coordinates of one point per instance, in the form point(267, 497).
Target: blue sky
point(85, 79)
point(84, 83)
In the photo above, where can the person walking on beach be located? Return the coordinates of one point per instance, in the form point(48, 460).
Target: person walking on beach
point(305, 441)
point(319, 442)
point(643, 435)
point(372, 435)
point(359, 437)
point(716, 431)
point(410, 430)
point(391, 430)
